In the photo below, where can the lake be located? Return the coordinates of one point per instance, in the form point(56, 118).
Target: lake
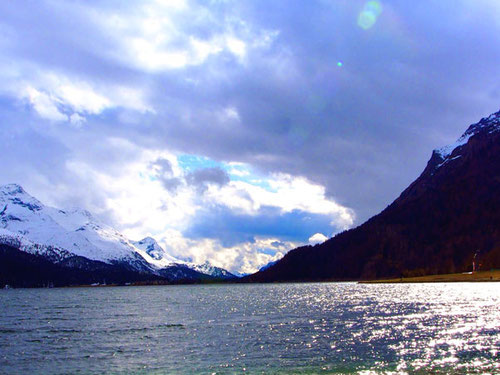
point(319, 328)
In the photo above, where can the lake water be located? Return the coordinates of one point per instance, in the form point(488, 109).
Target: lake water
point(319, 328)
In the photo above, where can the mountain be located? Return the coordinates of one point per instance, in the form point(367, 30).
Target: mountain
point(207, 269)
point(446, 217)
point(268, 265)
point(75, 239)
point(150, 247)
point(162, 259)
point(23, 269)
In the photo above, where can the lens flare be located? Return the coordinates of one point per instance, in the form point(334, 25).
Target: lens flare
point(340, 64)
point(368, 16)
point(373, 6)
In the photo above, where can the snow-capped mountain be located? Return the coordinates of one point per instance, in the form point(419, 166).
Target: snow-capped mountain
point(20, 242)
point(74, 231)
point(207, 269)
point(154, 253)
point(444, 155)
point(158, 257)
point(27, 224)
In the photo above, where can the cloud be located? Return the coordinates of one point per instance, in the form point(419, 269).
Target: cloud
point(163, 171)
point(243, 258)
point(45, 105)
point(76, 119)
point(201, 178)
point(192, 224)
point(157, 114)
point(60, 99)
point(317, 238)
point(233, 228)
point(253, 193)
point(157, 36)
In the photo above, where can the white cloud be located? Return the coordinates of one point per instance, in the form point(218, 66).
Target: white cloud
point(44, 104)
point(317, 238)
point(136, 198)
point(153, 37)
point(82, 98)
point(236, 170)
point(229, 114)
point(149, 56)
point(91, 98)
point(77, 120)
point(244, 258)
point(141, 206)
point(287, 192)
point(59, 98)
point(201, 50)
point(236, 46)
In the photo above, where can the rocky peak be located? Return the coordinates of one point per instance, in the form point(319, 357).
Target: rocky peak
point(489, 124)
point(14, 194)
point(147, 241)
point(151, 247)
point(12, 189)
point(486, 126)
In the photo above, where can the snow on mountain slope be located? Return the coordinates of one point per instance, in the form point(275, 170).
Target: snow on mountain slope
point(207, 269)
point(157, 256)
point(149, 249)
point(18, 241)
point(75, 231)
point(448, 153)
point(33, 227)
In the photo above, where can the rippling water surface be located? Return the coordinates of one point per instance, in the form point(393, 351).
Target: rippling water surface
point(224, 329)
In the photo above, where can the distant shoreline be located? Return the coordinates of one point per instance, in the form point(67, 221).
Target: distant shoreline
point(481, 276)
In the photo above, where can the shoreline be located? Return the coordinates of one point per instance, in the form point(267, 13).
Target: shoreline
point(480, 276)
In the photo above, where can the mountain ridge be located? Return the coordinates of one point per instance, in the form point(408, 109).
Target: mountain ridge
point(450, 213)
point(59, 235)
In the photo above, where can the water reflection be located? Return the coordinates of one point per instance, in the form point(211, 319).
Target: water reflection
point(286, 328)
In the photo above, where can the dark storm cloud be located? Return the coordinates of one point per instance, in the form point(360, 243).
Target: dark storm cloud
point(364, 130)
point(165, 174)
point(164, 165)
point(32, 156)
point(27, 150)
point(201, 178)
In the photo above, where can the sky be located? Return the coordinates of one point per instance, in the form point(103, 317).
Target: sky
point(234, 131)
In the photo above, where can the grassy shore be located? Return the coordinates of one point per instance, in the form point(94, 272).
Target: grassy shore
point(493, 275)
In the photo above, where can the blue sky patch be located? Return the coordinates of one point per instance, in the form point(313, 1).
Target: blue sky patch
point(236, 172)
point(190, 163)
